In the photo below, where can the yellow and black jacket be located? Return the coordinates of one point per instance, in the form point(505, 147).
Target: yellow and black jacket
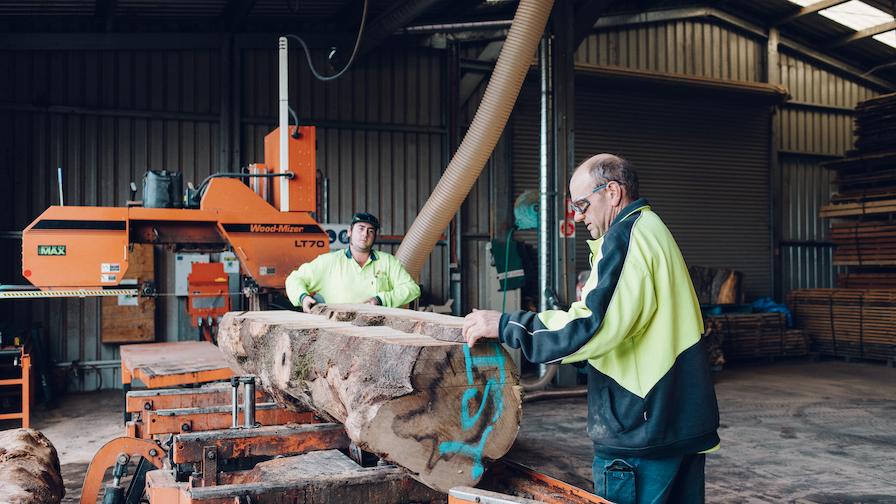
point(638, 326)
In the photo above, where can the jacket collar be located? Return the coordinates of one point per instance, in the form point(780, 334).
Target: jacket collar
point(348, 254)
point(634, 206)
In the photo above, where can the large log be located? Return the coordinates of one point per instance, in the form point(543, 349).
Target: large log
point(29, 468)
point(437, 408)
point(717, 285)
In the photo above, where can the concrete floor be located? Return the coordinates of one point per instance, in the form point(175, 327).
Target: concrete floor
point(803, 432)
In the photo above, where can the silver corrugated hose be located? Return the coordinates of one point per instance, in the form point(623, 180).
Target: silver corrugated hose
point(488, 124)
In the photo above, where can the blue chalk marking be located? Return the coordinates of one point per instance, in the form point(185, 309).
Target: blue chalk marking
point(496, 360)
point(466, 421)
point(472, 451)
point(491, 391)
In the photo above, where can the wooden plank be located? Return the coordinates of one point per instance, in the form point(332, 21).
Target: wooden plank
point(167, 364)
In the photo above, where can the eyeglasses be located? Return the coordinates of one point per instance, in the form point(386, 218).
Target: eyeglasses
point(581, 205)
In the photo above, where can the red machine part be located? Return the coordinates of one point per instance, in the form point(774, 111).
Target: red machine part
point(107, 456)
point(208, 298)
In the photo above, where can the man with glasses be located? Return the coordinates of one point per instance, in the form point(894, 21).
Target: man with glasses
point(652, 411)
point(357, 274)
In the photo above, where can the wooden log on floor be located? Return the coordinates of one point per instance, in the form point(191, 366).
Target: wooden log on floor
point(29, 468)
point(437, 408)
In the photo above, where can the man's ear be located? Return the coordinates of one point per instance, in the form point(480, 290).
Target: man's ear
point(615, 194)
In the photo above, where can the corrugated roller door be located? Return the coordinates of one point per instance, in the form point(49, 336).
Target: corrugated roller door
point(702, 162)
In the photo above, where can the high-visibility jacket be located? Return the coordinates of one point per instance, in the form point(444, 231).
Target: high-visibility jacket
point(338, 278)
point(639, 327)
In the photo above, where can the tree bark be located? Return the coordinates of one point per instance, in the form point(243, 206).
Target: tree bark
point(435, 407)
point(29, 468)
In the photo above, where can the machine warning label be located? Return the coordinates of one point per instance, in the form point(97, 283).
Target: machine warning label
point(51, 250)
point(267, 270)
point(107, 278)
point(110, 268)
point(272, 228)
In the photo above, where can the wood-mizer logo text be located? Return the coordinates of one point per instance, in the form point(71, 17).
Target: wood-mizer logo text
point(275, 228)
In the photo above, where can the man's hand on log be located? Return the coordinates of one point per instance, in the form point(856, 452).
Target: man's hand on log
point(373, 301)
point(481, 324)
point(307, 303)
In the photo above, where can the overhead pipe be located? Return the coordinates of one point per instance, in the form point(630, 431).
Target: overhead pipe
point(479, 143)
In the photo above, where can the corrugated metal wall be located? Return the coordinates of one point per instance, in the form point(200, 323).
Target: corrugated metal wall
point(694, 156)
point(807, 258)
point(106, 116)
point(692, 47)
point(816, 125)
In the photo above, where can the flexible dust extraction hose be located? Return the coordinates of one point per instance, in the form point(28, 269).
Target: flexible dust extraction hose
point(487, 126)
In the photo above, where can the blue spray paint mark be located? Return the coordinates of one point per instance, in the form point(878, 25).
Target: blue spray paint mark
point(472, 451)
point(492, 391)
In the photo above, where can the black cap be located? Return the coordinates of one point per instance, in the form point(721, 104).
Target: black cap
point(366, 217)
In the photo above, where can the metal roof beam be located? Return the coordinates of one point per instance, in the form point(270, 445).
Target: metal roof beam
point(746, 26)
point(234, 16)
point(809, 9)
point(863, 34)
point(104, 13)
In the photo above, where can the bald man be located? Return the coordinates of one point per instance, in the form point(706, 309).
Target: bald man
point(652, 411)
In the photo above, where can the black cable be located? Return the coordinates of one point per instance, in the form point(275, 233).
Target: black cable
point(205, 182)
point(350, 60)
point(295, 120)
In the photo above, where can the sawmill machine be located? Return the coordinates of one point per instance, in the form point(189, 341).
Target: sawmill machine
point(78, 251)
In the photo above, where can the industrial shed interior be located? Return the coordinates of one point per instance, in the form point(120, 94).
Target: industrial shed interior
point(157, 192)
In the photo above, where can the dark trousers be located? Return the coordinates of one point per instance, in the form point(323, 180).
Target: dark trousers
point(650, 481)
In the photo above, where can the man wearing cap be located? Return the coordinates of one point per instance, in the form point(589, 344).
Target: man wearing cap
point(357, 274)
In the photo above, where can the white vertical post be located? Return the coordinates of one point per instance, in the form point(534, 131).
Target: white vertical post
point(284, 124)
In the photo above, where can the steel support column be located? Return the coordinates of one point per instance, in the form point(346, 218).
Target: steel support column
point(546, 190)
point(564, 101)
point(773, 76)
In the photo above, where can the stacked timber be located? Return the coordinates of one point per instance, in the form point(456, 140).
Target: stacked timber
point(401, 382)
point(867, 280)
point(864, 243)
point(857, 320)
point(853, 323)
point(751, 335)
point(864, 206)
point(876, 124)
point(866, 186)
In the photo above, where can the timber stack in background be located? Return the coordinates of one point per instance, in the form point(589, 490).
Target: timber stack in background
point(856, 320)
point(732, 331)
point(754, 335)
